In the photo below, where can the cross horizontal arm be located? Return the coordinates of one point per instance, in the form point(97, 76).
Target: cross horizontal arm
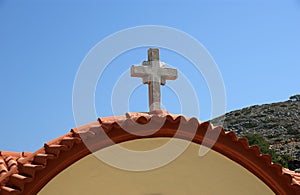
point(169, 73)
point(139, 71)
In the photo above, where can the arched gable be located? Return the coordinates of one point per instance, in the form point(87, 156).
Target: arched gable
point(33, 171)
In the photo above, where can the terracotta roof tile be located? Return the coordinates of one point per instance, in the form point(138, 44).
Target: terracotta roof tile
point(27, 173)
point(295, 176)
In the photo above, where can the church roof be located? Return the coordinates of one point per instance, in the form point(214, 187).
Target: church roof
point(27, 173)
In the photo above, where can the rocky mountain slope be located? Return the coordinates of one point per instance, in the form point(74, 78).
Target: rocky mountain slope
point(278, 123)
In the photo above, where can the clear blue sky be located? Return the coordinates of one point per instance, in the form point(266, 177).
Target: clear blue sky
point(255, 43)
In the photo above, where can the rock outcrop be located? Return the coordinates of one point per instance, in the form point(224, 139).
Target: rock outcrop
point(278, 123)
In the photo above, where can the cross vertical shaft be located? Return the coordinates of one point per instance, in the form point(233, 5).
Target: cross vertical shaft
point(154, 96)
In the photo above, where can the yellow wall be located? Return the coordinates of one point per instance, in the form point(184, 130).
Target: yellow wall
point(188, 174)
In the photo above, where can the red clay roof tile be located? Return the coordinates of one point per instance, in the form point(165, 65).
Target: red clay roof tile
point(27, 173)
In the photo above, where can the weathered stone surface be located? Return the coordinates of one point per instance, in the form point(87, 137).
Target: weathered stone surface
point(154, 73)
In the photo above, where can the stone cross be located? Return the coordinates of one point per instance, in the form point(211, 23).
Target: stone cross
point(154, 73)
